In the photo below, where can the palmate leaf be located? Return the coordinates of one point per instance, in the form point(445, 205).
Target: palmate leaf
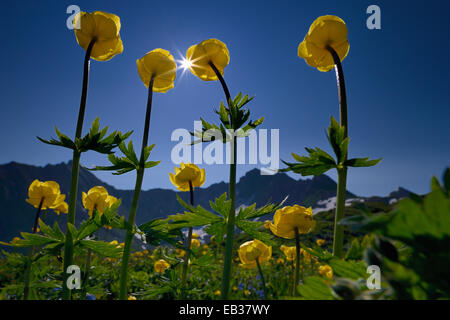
point(50, 237)
point(216, 223)
point(54, 233)
point(221, 205)
point(194, 217)
point(316, 164)
point(318, 161)
point(252, 229)
point(63, 140)
point(129, 162)
point(157, 231)
point(250, 212)
point(337, 140)
point(217, 229)
point(109, 217)
point(31, 240)
point(95, 140)
point(103, 248)
point(234, 121)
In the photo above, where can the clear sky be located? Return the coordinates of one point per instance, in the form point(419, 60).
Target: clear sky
point(397, 81)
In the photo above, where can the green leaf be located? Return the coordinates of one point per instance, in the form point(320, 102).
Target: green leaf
point(96, 141)
point(194, 217)
point(63, 140)
point(46, 230)
point(205, 261)
point(217, 229)
point(87, 228)
point(361, 162)
point(317, 163)
point(315, 288)
point(32, 239)
point(447, 180)
point(221, 205)
point(103, 248)
point(348, 269)
point(336, 136)
point(157, 231)
point(252, 229)
point(150, 164)
point(95, 127)
point(147, 151)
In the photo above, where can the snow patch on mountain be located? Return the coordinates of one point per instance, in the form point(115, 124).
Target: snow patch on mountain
point(330, 203)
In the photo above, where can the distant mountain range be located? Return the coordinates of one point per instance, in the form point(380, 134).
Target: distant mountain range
point(16, 215)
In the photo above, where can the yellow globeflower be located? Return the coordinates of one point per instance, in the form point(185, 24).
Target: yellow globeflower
point(48, 192)
point(180, 253)
point(188, 172)
point(289, 252)
point(132, 298)
point(102, 26)
point(287, 219)
point(325, 31)
point(195, 243)
point(161, 265)
point(306, 255)
point(320, 242)
point(200, 56)
point(160, 65)
point(217, 293)
point(326, 270)
point(252, 250)
point(61, 207)
point(97, 198)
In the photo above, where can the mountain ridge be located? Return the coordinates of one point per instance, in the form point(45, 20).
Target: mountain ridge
point(16, 215)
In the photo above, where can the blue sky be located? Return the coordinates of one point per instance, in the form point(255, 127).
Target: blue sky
point(397, 82)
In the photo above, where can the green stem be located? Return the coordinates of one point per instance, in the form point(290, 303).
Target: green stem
point(262, 278)
point(230, 225)
point(187, 254)
point(86, 273)
point(88, 263)
point(134, 204)
point(68, 248)
point(297, 262)
point(291, 277)
point(338, 241)
point(232, 195)
point(26, 290)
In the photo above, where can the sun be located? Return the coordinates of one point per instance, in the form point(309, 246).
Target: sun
point(185, 63)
